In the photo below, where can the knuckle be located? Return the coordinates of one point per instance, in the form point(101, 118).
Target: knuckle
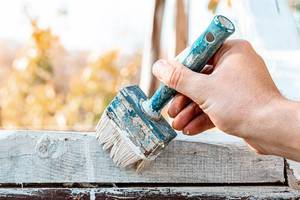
point(260, 58)
point(244, 45)
point(175, 76)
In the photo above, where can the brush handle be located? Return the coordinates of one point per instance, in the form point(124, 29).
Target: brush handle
point(195, 58)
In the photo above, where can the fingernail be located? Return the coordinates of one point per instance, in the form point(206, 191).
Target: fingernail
point(186, 132)
point(159, 66)
point(207, 69)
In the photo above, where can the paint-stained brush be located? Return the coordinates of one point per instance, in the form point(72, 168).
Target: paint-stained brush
point(132, 127)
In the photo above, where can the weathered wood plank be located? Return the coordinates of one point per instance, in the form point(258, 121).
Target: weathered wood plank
point(66, 157)
point(173, 193)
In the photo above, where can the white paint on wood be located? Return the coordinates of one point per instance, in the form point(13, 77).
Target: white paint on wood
point(296, 168)
point(66, 157)
point(293, 174)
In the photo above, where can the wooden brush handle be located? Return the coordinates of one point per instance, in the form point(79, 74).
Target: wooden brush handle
point(195, 58)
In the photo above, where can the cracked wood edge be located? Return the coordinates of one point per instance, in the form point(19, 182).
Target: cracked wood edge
point(293, 174)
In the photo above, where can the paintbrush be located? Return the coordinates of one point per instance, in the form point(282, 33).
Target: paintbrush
point(132, 127)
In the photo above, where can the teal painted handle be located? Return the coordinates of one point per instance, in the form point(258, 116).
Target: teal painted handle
point(195, 58)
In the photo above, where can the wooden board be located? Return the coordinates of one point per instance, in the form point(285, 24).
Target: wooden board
point(190, 193)
point(67, 157)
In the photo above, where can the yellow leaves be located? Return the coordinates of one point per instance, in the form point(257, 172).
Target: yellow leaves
point(32, 99)
point(29, 98)
point(229, 3)
point(30, 110)
point(213, 4)
point(98, 84)
point(43, 38)
point(34, 63)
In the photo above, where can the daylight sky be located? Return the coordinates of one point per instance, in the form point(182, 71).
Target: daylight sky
point(88, 24)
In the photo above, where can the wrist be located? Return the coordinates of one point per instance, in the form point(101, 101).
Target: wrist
point(276, 128)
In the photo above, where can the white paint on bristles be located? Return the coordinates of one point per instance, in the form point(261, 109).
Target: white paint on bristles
point(121, 151)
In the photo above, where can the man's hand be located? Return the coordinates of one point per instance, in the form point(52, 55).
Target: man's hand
point(236, 94)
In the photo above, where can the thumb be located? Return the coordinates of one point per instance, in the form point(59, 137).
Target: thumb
point(182, 79)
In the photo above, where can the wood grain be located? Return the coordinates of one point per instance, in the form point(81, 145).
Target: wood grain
point(190, 193)
point(67, 157)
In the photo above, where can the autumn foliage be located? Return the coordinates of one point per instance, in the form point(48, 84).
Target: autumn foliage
point(42, 91)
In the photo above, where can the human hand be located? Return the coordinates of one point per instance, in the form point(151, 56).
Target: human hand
point(230, 95)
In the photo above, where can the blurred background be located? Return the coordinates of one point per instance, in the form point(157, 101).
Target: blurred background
point(62, 61)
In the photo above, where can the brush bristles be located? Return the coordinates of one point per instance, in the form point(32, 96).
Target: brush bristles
point(120, 151)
